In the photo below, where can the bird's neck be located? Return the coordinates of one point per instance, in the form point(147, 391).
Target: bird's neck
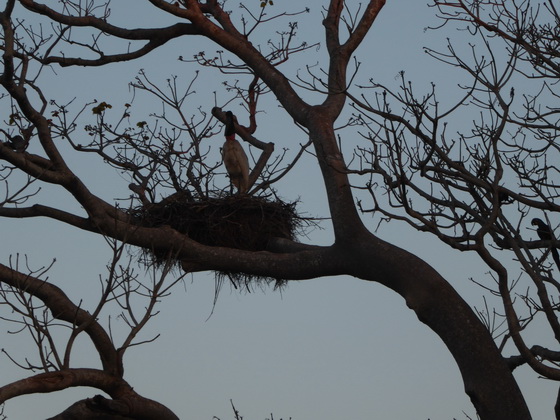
point(231, 137)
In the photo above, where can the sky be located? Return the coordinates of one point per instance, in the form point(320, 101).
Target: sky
point(326, 348)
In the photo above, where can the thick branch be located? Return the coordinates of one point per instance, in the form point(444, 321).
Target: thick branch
point(99, 407)
point(39, 210)
point(104, 26)
point(129, 402)
point(57, 381)
point(487, 378)
point(340, 54)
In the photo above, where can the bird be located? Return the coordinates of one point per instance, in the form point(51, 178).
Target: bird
point(234, 157)
point(17, 143)
point(545, 234)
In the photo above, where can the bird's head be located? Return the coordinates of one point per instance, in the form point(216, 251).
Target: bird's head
point(537, 222)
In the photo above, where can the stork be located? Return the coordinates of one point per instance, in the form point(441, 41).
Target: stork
point(545, 234)
point(235, 159)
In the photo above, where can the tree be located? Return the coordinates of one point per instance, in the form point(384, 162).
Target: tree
point(478, 190)
point(454, 186)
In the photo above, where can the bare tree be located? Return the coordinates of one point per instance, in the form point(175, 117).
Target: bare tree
point(475, 191)
point(490, 188)
point(45, 312)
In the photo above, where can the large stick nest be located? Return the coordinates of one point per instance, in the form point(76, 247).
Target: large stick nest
point(239, 221)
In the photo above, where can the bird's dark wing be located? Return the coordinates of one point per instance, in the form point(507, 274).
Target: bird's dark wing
point(556, 257)
point(545, 234)
point(543, 230)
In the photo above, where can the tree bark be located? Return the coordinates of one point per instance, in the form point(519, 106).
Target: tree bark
point(486, 376)
point(100, 408)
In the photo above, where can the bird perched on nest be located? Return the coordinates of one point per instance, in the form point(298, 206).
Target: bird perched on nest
point(545, 234)
point(17, 143)
point(234, 157)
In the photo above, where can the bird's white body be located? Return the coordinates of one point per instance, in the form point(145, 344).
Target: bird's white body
point(237, 164)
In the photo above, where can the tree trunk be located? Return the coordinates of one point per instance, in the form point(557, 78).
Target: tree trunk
point(487, 379)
